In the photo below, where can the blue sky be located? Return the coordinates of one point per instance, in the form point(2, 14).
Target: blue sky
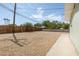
point(35, 11)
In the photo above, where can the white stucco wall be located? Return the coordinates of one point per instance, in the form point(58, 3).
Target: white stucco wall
point(74, 29)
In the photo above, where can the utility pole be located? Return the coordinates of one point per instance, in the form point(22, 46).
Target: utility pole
point(13, 29)
point(14, 16)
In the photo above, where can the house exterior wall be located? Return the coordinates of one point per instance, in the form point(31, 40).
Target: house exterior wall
point(68, 9)
point(74, 28)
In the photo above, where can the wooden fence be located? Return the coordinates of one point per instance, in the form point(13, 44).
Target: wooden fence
point(9, 29)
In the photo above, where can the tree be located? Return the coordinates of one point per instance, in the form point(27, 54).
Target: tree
point(28, 24)
point(47, 24)
point(38, 25)
point(59, 25)
point(65, 26)
point(55, 24)
point(51, 25)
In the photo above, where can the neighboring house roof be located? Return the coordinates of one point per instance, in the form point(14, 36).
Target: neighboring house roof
point(69, 7)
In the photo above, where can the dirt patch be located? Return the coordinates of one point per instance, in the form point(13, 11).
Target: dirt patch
point(34, 43)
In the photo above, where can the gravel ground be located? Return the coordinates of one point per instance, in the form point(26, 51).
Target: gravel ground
point(33, 43)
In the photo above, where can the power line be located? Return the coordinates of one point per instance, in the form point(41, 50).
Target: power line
point(43, 8)
point(17, 13)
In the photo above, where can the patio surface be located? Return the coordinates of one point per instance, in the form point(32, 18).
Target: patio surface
point(63, 47)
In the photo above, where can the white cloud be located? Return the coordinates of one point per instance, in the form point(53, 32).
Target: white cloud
point(39, 14)
point(52, 17)
point(40, 17)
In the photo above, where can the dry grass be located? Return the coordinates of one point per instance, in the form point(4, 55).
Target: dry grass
point(34, 43)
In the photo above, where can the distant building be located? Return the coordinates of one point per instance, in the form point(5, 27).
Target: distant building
point(43, 27)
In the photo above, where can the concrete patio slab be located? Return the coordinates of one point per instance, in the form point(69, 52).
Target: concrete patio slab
point(63, 47)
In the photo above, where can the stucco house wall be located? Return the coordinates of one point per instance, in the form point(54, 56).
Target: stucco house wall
point(74, 28)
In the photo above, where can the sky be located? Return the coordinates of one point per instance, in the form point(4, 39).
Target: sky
point(33, 12)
